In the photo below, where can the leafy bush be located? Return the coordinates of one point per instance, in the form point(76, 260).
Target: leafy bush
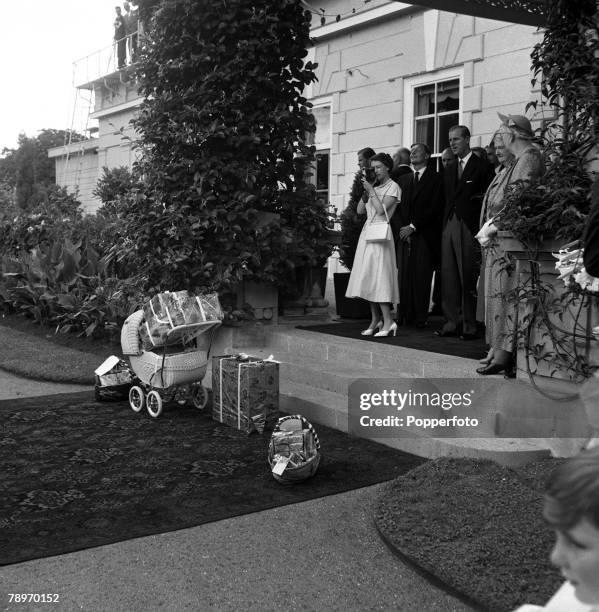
point(65, 285)
point(113, 189)
point(221, 128)
point(555, 206)
point(52, 219)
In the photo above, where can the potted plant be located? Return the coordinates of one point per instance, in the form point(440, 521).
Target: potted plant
point(351, 226)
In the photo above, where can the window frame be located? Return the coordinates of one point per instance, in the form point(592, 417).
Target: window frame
point(323, 147)
point(430, 78)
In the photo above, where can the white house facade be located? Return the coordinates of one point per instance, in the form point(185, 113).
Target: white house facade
point(392, 74)
point(389, 74)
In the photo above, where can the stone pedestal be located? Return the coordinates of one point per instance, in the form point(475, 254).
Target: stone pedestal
point(549, 350)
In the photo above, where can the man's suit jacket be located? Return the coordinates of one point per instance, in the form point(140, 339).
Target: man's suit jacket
point(399, 171)
point(464, 197)
point(421, 205)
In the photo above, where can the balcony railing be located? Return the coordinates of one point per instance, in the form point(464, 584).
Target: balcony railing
point(107, 60)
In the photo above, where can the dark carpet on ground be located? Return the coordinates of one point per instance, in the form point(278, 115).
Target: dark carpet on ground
point(77, 473)
point(409, 337)
point(477, 527)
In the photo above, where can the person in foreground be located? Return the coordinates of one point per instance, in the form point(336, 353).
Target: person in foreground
point(572, 509)
point(374, 274)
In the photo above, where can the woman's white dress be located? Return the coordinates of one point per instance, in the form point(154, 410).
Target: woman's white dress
point(374, 274)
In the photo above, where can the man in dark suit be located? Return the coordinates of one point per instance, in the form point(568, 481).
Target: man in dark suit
point(416, 226)
point(466, 180)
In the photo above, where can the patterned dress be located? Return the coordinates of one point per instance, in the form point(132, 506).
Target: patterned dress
point(374, 274)
point(500, 280)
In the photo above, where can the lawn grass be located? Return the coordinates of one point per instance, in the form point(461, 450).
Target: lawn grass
point(477, 527)
point(35, 351)
point(473, 525)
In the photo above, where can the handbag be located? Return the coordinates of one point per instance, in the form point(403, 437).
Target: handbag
point(487, 232)
point(379, 231)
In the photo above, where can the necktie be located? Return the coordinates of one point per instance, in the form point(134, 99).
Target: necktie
point(416, 177)
point(460, 168)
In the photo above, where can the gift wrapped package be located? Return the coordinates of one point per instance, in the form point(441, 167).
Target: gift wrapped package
point(113, 379)
point(293, 450)
point(245, 392)
point(169, 315)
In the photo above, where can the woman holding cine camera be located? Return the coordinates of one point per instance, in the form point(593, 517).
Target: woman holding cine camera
point(374, 274)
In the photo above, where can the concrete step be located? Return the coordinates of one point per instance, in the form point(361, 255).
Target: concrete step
point(310, 347)
point(316, 370)
point(319, 406)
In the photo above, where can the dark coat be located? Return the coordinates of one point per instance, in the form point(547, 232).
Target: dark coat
point(398, 171)
point(421, 205)
point(464, 196)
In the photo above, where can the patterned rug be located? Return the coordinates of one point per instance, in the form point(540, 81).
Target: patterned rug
point(77, 473)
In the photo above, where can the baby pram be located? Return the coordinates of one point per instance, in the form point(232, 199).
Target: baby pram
point(168, 343)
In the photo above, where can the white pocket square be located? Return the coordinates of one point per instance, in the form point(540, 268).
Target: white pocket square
point(468, 182)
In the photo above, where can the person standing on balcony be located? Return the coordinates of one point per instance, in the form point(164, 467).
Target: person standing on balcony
point(120, 39)
point(131, 18)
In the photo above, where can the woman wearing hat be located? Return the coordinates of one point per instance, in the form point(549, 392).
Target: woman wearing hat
point(501, 313)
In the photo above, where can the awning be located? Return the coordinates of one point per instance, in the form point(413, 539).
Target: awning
point(527, 12)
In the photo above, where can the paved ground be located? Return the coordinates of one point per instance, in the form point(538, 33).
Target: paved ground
point(323, 554)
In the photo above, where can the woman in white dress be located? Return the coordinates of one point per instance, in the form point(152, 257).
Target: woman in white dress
point(374, 274)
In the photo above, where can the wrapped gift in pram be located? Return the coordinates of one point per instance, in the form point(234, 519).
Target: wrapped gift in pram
point(183, 355)
point(245, 392)
point(169, 315)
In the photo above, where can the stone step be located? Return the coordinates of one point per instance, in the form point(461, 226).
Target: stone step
point(322, 407)
point(316, 369)
point(317, 405)
point(310, 347)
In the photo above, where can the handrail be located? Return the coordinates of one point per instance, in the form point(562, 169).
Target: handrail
point(105, 60)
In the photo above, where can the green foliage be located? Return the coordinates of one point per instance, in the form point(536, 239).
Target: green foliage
point(52, 219)
point(351, 224)
point(221, 129)
point(566, 67)
point(28, 168)
point(555, 207)
point(114, 187)
point(65, 284)
point(565, 64)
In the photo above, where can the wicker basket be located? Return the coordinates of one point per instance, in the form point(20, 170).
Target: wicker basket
point(292, 475)
point(130, 344)
point(162, 371)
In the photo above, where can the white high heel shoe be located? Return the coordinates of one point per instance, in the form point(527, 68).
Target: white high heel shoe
point(370, 331)
point(385, 332)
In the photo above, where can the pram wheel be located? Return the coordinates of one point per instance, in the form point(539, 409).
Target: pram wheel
point(136, 398)
point(199, 397)
point(154, 404)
